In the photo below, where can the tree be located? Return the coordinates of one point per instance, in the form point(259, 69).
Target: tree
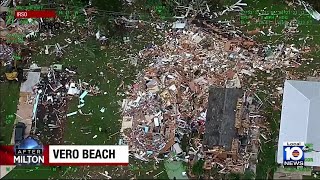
point(197, 168)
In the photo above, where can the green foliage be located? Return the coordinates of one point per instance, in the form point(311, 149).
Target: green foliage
point(214, 173)
point(238, 176)
point(234, 176)
point(109, 5)
point(249, 175)
point(184, 142)
point(163, 12)
point(197, 168)
point(153, 3)
point(267, 165)
point(162, 9)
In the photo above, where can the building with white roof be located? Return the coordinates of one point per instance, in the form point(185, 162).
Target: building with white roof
point(300, 118)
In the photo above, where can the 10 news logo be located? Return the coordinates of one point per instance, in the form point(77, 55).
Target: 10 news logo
point(293, 154)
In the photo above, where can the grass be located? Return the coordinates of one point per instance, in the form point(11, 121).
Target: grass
point(90, 62)
point(9, 93)
point(310, 177)
point(32, 173)
point(267, 157)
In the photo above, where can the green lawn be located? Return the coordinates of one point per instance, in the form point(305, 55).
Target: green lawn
point(9, 93)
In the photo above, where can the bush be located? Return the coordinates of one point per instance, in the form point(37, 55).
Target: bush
point(197, 168)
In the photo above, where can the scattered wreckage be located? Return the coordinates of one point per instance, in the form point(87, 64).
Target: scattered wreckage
point(169, 100)
point(52, 93)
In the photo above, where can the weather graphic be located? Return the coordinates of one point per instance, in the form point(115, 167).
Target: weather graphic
point(29, 143)
point(28, 152)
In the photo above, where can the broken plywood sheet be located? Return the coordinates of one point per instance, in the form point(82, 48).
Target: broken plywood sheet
point(234, 83)
point(32, 79)
point(171, 138)
point(169, 144)
point(148, 118)
point(126, 123)
point(154, 89)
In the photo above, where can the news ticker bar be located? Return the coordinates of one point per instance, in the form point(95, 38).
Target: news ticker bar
point(35, 14)
point(71, 155)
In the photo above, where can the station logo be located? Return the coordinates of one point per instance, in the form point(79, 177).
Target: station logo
point(293, 154)
point(29, 151)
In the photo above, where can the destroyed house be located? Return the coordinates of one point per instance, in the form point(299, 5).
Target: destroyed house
point(300, 119)
point(220, 121)
point(220, 141)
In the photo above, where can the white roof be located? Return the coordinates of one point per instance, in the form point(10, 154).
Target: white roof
point(300, 120)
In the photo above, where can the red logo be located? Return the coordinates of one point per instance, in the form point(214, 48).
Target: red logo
point(295, 153)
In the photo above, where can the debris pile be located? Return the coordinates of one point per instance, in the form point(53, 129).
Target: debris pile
point(31, 27)
point(237, 146)
point(54, 90)
point(172, 93)
point(52, 104)
point(6, 52)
